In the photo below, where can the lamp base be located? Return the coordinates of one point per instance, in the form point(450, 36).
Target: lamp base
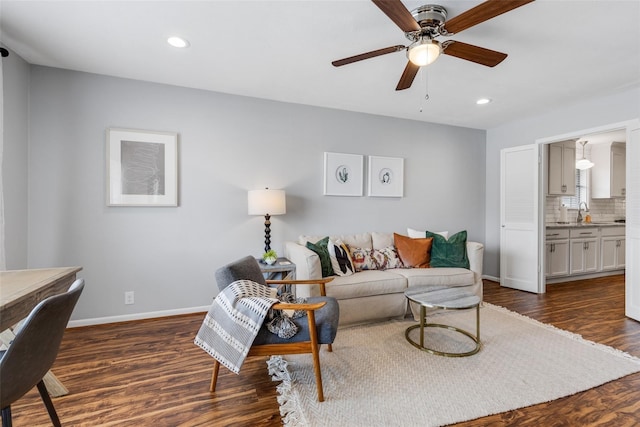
point(267, 232)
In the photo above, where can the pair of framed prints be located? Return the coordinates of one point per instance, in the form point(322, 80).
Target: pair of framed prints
point(344, 175)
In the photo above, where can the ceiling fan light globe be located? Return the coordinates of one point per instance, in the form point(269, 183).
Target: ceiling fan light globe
point(424, 52)
point(583, 164)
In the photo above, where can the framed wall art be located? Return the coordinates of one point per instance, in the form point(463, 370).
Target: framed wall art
point(142, 168)
point(386, 176)
point(343, 174)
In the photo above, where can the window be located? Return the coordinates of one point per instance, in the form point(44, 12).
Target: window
point(582, 191)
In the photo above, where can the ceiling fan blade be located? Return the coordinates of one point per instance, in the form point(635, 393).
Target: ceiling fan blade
point(482, 12)
point(398, 13)
point(408, 75)
point(367, 55)
point(472, 53)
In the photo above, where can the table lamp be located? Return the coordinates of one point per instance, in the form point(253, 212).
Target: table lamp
point(267, 202)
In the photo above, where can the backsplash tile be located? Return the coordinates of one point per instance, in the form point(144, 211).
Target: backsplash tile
point(601, 210)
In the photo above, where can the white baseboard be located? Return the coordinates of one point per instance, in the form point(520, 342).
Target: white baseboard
point(492, 278)
point(136, 316)
point(555, 280)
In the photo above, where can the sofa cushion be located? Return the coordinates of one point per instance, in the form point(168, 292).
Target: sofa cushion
point(450, 252)
point(366, 283)
point(382, 240)
point(320, 247)
point(437, 276)
point(362, 240)
point(413, 252)
point(340, 258)
point(423, 233)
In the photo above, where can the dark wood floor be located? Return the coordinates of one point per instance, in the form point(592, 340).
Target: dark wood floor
point(149, 373)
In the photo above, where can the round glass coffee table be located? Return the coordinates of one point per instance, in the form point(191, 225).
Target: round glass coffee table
point(446, 299)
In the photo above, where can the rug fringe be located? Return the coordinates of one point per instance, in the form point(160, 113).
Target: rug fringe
point(572, 335)
point(289, 408)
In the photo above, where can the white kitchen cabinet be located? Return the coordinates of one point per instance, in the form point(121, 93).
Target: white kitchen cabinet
point(612, 244)
point(557, 252)
point(584, 250)
point(609, 172)
point(557, 262)
point(562, 168)
point(584, 256)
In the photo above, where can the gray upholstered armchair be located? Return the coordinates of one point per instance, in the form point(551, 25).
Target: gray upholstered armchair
point(318, 327)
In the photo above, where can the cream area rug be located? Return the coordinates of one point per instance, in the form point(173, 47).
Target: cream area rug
point(374, 377)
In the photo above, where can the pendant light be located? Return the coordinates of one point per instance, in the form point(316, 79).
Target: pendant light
point(583, 163)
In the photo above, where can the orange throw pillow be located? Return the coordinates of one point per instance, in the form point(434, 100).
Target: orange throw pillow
point(413, 252)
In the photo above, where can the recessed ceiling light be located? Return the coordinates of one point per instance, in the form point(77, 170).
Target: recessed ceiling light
point(483, 101)
point(178, 42)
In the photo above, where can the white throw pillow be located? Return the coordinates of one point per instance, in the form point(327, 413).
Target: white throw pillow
point(415, 234)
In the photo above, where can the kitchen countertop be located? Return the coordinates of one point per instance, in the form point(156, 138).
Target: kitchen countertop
point(584, 225)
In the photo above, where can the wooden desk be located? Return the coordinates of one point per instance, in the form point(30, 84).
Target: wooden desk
point(22, 290)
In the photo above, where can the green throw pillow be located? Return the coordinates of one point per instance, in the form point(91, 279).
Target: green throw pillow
point(451, 252)
point(320, 247)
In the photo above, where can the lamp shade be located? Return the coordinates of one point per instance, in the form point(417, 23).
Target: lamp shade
point(583, 164)
point(267, 202)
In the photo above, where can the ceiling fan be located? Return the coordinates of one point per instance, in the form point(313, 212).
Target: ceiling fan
point(424, 24)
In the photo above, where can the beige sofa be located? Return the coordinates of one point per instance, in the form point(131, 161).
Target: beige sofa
point(379, 294)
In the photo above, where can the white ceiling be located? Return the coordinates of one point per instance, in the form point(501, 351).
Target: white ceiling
point(560, 52)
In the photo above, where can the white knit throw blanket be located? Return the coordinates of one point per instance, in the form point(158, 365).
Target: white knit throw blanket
point(233, 322)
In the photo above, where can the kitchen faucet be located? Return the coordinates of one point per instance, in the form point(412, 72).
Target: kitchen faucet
point(586, 209)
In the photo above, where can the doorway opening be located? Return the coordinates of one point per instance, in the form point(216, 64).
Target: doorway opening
point(570, 248)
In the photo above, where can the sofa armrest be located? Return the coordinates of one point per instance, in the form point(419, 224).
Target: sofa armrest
point(307, 267)
point(475, 253)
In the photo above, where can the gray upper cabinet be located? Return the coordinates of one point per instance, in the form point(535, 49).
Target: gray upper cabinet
point(562, 168)
point(609, 171)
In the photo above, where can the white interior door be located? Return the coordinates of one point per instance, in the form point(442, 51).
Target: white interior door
point(519, 240)
point(632, 278)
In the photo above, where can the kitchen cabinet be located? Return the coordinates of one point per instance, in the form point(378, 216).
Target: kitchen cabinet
point(608, 174)
point(584, 248)
point(557, 252)
point(562, 168)
point(612, 244)
point(579, 250)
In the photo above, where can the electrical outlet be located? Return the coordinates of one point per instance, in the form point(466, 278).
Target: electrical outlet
point(128, 297)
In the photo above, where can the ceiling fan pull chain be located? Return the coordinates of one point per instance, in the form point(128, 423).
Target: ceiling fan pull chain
point(424, 78)
point(426, 83)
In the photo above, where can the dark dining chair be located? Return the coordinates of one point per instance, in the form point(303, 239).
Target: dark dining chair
point(318, 327)
point(34, 349)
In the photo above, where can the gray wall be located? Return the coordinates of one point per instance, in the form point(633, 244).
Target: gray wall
point(15, 74)
point(598, 111)
point(228, 145)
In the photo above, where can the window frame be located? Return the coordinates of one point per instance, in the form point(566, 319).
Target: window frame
point(583, 185)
